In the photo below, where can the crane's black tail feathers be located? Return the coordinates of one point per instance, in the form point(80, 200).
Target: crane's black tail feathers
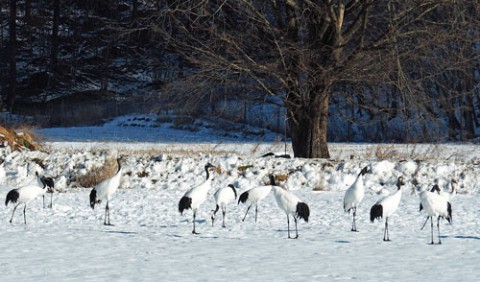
point(12, 196)
point(449, 210)
point(47, 181)
point(376, 212)
point(243, 197)
point(303, 211)
point(93, 198)
point(184, 204)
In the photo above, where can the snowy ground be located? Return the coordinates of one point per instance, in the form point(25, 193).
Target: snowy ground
point(152, 241)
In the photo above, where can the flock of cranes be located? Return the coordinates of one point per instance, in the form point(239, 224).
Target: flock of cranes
point(435, 202)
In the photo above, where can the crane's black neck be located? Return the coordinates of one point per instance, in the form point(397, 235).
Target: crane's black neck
point(400, 183)
point(272, 180)
point(206, 170)
point(119, 165)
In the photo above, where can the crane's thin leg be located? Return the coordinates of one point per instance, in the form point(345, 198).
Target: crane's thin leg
point(51, 200)
point(354, 226)
point(431, 228)
point(224, 212)
point(194, 216)
point(14, 209)
point(43, 201)
point(107, 215)
point(425, 223)
point(288, 226)
point(246, 213)
point(438, 229)
point(256, 211)
point(386, 236)
point(296, 230)
point(24, 214)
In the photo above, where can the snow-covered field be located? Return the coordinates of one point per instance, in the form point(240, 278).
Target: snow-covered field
point(151, 241)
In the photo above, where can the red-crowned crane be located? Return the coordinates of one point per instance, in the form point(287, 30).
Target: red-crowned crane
point(386, 206)
point(195, 196)
point(290, 204)
point(23, 195)
point(253, 196)
point(446, 195)
point(49, 184)
point(354, 195)
point(435, 206)
point(222, 197)
point(104, 191)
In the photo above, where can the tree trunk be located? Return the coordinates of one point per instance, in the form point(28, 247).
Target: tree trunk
point(308, 128)
point(134, 9)
point(28, 10)
point(54, 40)
point(12, 90)
point(468, 112)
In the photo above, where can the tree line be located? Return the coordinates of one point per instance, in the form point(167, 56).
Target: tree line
point(404, 66)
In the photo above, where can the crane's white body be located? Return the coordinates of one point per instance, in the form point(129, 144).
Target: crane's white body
point(195, 196)
point(108, 187)
point(286, 200)
point(223, 197)
point(104, 191)
point(28, 193)
point(354, 195)
point(3, 175)
point(254, 196)
point(199, 193)
point(390, 203)
point(434, 204)
point(437, 206)
point(386, 206)
point(290, 204)
point(23, 195)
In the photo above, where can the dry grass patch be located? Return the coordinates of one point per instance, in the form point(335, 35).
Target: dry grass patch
point(97, 174)
point(20, 138)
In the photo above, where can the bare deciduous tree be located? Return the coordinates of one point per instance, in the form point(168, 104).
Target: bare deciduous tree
point(301, 51)
point(12, 47)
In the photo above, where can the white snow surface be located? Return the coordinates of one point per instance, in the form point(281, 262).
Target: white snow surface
point(151, 241)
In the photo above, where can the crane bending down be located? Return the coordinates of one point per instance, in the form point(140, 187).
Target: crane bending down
point(222, 197)
point(254, 196)
point(23, 195)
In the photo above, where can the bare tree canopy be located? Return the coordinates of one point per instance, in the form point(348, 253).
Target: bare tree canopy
point(307, 52)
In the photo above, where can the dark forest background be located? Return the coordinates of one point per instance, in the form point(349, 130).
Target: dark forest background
point(67, 62)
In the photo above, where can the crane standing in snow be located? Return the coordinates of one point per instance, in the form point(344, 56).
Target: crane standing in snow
point(24, 195)
point(436, 206)
point(223, 196)
point(195, 196)
point(49, 184)
point(354, 195)
point(104, 191)
point(253, 196)
point(386, 206)
point(446, 195)
point(290, 204)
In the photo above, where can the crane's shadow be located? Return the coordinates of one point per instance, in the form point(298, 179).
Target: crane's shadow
point(467, 237)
